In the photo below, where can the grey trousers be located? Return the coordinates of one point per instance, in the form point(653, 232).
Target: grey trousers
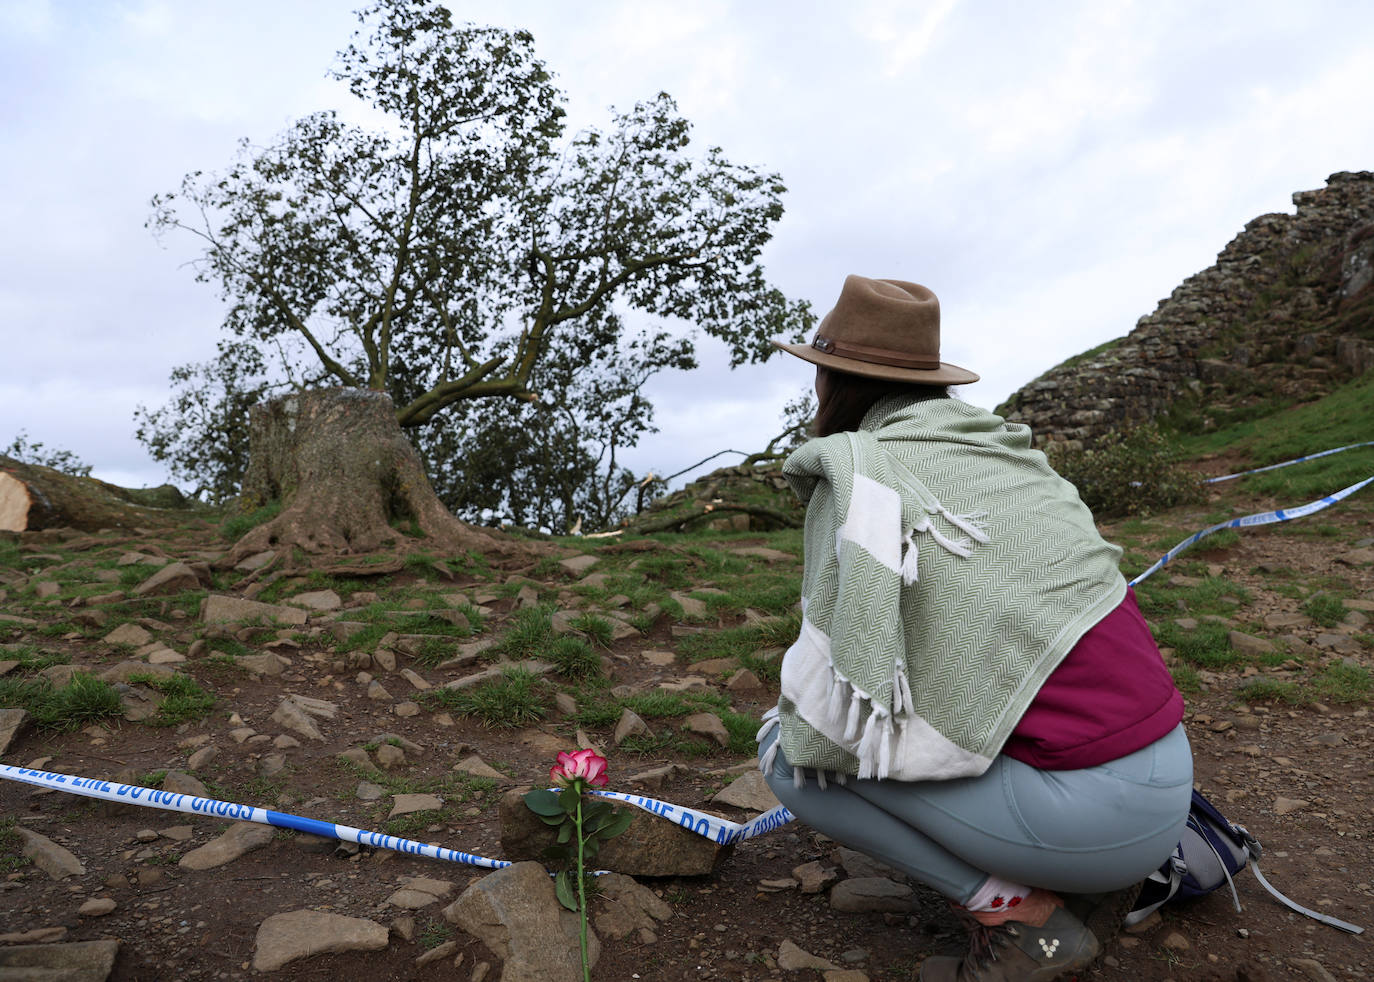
point(1083, 831)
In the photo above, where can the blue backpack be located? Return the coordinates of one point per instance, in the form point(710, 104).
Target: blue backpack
point(1213, 851)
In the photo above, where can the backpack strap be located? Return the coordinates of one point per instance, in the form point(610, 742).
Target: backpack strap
point(1294, 905)
point(1173, 879)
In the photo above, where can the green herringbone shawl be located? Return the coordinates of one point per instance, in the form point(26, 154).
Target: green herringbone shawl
point(943, 556)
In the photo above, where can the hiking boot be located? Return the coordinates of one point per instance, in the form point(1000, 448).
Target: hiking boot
point(1103, 913)
point(1016, 952)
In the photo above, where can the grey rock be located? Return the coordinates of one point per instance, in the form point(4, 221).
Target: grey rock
point(578, 564)
point(744, 681)
point(296, 712)
point(436, 954)
point(624, 906)
point(749, 791)
point(870, 894)
point(172, 578)
point(317, 600)
point(708, 725)
point(221, 609)
point(1248, 644)
point(123, 671)
point(367, 791)
point(404, 804)
point(813, 877)
point(97, 907)
point(179, 782)
point(12, 723)
point(48, 856)
point(129, 633)
point(477, 767)
point(420, 891)
point(78, 961)
point(652, 845)
point(241, 838)
point(265, 663)
point(1311, 968)
point(514, 913)
point(390, 756)
point(284, 938)
point(202, 757)
point(792, 958)
point(858, 864)
point(629, 725)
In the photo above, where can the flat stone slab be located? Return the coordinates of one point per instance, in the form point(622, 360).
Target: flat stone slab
point(405, 804)
point(477, 767)
point(242, 838)
point(57, 862)
point(172, 578)
point(317, 600)
point(129, 634)
point(749, 791)
point(221, 609)
point(78, 961)
point(420, 891)
point(284, 938)
point(870, 894)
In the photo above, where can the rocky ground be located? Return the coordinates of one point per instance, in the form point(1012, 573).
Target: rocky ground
point(381, 703)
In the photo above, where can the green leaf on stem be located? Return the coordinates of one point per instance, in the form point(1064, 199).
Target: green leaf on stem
point(544, 802)
point(617, 825)
point(563, 888)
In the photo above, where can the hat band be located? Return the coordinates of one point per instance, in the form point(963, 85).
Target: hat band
point(875, 356)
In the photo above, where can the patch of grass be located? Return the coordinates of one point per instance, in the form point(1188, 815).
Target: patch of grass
point(85, 699)
point(1344, 683)
point(31, 658)
point(184, 699)
point(236, 526)
point(434, 934)
point(1224, 539)
point(595, 627)
point(594, 713)
point(1326, 610)
point(574, 658)
point(669, 570)
point(408, 825)
point(1213, 595)
point(530, 631)
point(11, 859)
point(1207, 646)
point(517, 698)
point(1186, 678)
point(740, 642)
point(1271, 690)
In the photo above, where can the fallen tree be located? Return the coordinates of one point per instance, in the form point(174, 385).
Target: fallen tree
point(34, 497)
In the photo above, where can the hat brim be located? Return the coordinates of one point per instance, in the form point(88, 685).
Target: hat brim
point(946, 374)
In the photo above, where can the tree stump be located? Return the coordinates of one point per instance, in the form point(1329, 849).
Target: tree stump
point(34, 497)
point(349, 480)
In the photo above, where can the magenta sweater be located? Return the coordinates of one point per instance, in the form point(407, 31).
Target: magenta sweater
point(1110, 696)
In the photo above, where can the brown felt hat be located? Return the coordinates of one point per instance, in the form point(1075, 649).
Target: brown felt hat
point(886, 329)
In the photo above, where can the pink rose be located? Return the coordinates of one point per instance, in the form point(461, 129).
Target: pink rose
point(585, 766)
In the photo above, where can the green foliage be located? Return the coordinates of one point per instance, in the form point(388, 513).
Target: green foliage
point(1133, 473)
point(517, 698)
point(84, 700)
point(1326, 610)
point(459, 248)
point(24, 451)
point(1207, 646)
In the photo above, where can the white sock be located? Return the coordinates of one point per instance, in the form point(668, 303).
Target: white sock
point(997, 894)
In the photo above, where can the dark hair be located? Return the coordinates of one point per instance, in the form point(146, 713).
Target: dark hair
point(849, 397)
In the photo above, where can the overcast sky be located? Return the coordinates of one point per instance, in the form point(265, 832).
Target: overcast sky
point(1051, 170)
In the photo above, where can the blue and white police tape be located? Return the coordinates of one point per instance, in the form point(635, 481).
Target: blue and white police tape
point(1263, 518)
point(1287, 463)
point(712, 827)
